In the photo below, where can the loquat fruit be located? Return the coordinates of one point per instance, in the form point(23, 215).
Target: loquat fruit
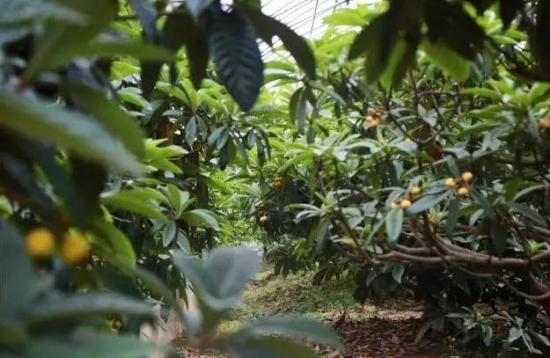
point(463, 191)
point(544, 122)
point(405, 204)
point(40, 243)
point(450, 183)
point(75, 248)
point(415, 190)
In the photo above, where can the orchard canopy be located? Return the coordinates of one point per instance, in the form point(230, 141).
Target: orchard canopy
point(146, 145)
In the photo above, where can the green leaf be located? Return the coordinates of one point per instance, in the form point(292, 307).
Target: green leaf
point(117, 121)
point(60, 38)
point(268, 27)
point(483, 92)
point(169, 233)
point(297, 108)
point(177, 198)
point(180, 28)
point(483, 202)
point(329, 91)
point(367, 39)
point(12, 333)
point(427, 201)
point(214, 135)
point(320, 234)
point(397, 272)
point(394, 224)
point(272, 347)
point(201, 217)
point(191, 130)
point(449, 23)
point(452, 216)
point(136, 202)
point(76, 306)
point(450, 61)
point(147, 15)
point(236, 55)
point(18, 280)
point(401, 58)
point(220, 278)
point(293, 328)
point(70, 130)
point(529, 213)
point(112, 48)
point(88, 344)
point(106, 49)
point(223, 138)
point(133, 96)
point(114, 242)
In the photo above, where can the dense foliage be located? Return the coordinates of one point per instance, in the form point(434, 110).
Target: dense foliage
point(407, 149)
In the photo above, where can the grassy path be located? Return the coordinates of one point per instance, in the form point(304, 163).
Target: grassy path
point(384, 330)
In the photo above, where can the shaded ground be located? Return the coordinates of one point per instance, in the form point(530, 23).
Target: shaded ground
point(384, 330)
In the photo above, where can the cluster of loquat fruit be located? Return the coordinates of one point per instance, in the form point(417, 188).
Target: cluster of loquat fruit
point(279, 182)
point(259, 205)
point(544, 122)
point(373, 117)
point(461, 184)
point(41, 243)
point(406, 202)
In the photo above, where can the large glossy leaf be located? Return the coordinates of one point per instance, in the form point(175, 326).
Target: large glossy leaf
point(201, 217)
point(268, 27)
point(88, 344)
point(135, 201)
point(180, 29)
point(293, 328)
point(367, 39)
point(113, 242)
point(117, 121)
point(18, 177)
point(221, 277)
point(529, 213)
point(452, 216)
point(272, 347)
point(483, 202)
point(320, 234)
point(79, 305)
point(450, 61)
point(394, 224)
point(70, 130)
point(61, 37)
point(147, 15)
point(111, 48)
point(427, 201)
point(169, 233)
point(18, 280)
point(18, 17)
point(444, 19)
point(297, 106)
point(235, 52)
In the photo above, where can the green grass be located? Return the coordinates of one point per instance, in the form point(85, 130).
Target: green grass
point(294, 295)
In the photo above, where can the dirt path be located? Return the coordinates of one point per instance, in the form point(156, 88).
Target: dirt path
point(385, 330)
